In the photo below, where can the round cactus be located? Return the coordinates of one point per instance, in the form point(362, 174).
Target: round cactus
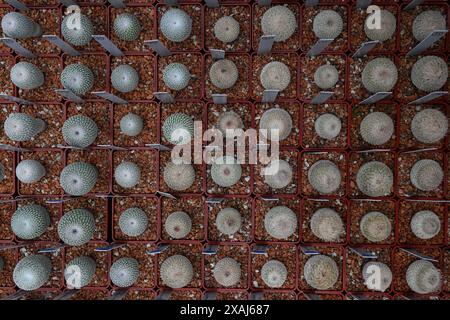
point(178, 128)
point(23, 127)
point(376, 128)
point(276, 119)
point(79, 131)
point(127, 27)
point(279, 21)
point(375, 179)
point(179, 177)
point(176, 271)
point(32, 272)
point(429, 126)
point(425, 224)
point(321, 272)
point(426, 175)
point(133, 222)
point(29, 171)
point(26, 76)
point(429, 73)
point(30, 221)
point(377, 276)
point(280, 222)
point(327, 126)
point(427, 22)
point(80, 271)
point(124, 272)
point(327, 24)
point(388, 26)
point(227, 272)
point(77, 29)
point(77, 78)
point(225, 171)
point(223, 74)
point(78, 178)
point(375, 226)
point(278, 174)
point(326, 224)
point(379, 75)
point(326, 76)
point(176, 76)
point(176, 25)
point(124, 78)
point(18, 26)
point(127, 174)
point(131, 125)
point(227, 29)
point(423, 277)
point(229, 120)
point(76, 227)
point(178, 225)
point(228, 221)
point(324, 176)
point(275, 76)
point(274, 273)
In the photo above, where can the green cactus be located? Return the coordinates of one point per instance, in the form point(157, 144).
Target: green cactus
point(179, 177)
point(133, 222)
point(176, 25)
point(321, 272)
point(26, 76)
point(131, 124)
point(178, 128)
point(77, 29)
point(327, 126)
point(124, 272)
point(77, 78)
point(228, 221)
point(224, 74)
point(176, 271)
point(377, 268)
point(275, 76)
point(79, 271)
point(426, 175)
point(326, 76)
point(29, 171)
point(274, 273)
point(388, 24)
point(379, 75)
point(124, 78)
point(227, 272)
point(226, 29)
point(327, 24)
point(229, 120)
point(427, 22)
point(178, 225)
point(376, 128)
point(423, 277)
point(324, 176)
point(30, 221)
point(327, 225)
point(280, 222)
point(425, 224)
point(375, 226)
point(23, 127)
point(276, 119)
point(375, 179)
point(18, 26)
point(79, 131)
point(278, 174)
point(176, 76)
point(226, 172)
point(32, 272)
point(127, 27)
point(429, 126)
point(78, 178)
point(127, 174)
point(76, 227)
point(279, 21)
point(429, 73)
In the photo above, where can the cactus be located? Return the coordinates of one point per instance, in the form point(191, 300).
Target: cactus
point(278, 174)
point(229, 120)
point(429, 73)
point(18, 26)
point(77, 29)
point(32, 272)
point(225, 171)
point(124, 78)
point(327, 126)
point(425, 224)
point(375, 179)
point(131, 124)
point(327, 24)
point(326, 224)
point(124, 272)
point(179, 177)
point(321, 272)
point(324, 176)
point(178, 128)
point(377, 276)
point(280, 222)
point(427, 22)
point(77, 78)
point(274, 273)
point(429, 126)
point(78, 178)
point(379, 75)
point(423, 277)
point(276, 119)
point(76, 227)
point(133, 222)
point(23, 127)
point(227, 29)
point(29, 171)
point(127, 174)
point(279, 21)
point(176, 271)
point(275, 76)
point(227, 272)
point(228, 221)
point(388, 26)
point(80, 271)
point(176, 76)
point(326, 76)
point(176, 25)
point(30, 221)
point(376, 128)
point(223, 74)
point(178, 225)
point(127, 27)
point(426, 175)
point(26, 76)
point(375, 226)
point(79, 131)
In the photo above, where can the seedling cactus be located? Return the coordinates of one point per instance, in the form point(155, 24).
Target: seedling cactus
point(178, 225)
point(429, 126)
point(376, 128)
point(127, 174)
point(176, 25)
point(226, 29)
point(76, 227)
point(226, 172)
point(427, 22)
point(78, 178)
point(131, 124)
point(280, 222)
point(77, 78)
point(278, 174)
point(176, 271)
point(327, 24)
point(124, 272)
point(274, 273)
point(275, 76)
point(279, 21)
point(379, 75)
point(29, 171)
point(79, 131)
point(326, 76)
point(26, 76)
point(30, 221)
point(375, 226)
point(429, 73)
point(423, 277)
point(178, 128)
point(327, 126)
point(32, 272)
point(426, 175)
point(127, 27)
point(229, 120)
point(176, 76)
point(375, 179)
point(388, 24)
point(179, 177)
point(18, 26)
point(77, 29)
point(377, 276)
point(276, 119)
point(321, 272)
point(124, 78)
point(223, 74)
point(425, 224)
point(227, 272)
point(324, 176)
point(228, 221)
point(133, 222)
point(23, 127)
point(326, 224)
point(80, 271)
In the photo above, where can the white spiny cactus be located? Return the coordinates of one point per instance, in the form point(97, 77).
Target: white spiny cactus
point(79, 131)
point(127, 174)
point(388, 23)
point(127, 26)
point(26, 76)
point(23, 127)
point(178, 225)
point(124, 78)
point(226, 172)
point(379, 75)
point(78, 178)
point(429, 125)
point(80, 271)
point(76, 227)
point(276, 119)
point(275, 76)
point(321, 272)
point(274, 273)
point(376, 128)
point(327, 24)
point(324, 176)
point(227, 272)
point(229, 120)
point(77, 78)
point(124, 272)
point(30, 221)
point(133, 222)
point(375, 179)
point(32, 272)
point(423, 277)
point(77, 29)
point(327, 126)
point(429, 73)
point(223, 74)
point(425, 224)
point(426, 175)
point(278, 174)
point(18, 26)
point(226, 29)
point(327, 224)
point(176, 271)
point(131, 124)
point(228, 221)
point(29, 171)
point(280, 222)
point(375, 226)
point(326, 76)
point(377, 276)
point(178, 128)
point(279, 21)
point(179, 177)
point(427, 22)
point(176, 25)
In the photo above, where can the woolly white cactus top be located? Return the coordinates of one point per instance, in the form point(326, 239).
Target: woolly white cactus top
point(79, 131)
point(176, 271)
point(133, 222)
point(79, 272)
point(127, 174)
point(76, 227)
point(179, 177)
point(375, 179)
point(176, 25)
point(388, 26)
point(321, 272)
point(379, 75)
point(276, 119)
point(228, 221)
point(324, 176)
point(327, 24)
point(279, 21)
point(78, 178)
point(178, 225)
point(127, 27)
point(227, 272)
point(423, 277)
point(77, 29)
point(22, 127)
point(131, 124)
point(327, 126)
point(226, 29)
point(30, 221)
point(274, 273)
point(225, 171)
point(376, 128)
point(326, 76)
point(229, 120)
point(223, 74)
point(375, 226)
point(429, 125)
point(425, 224)
point(426, 175)
point(427, 22)
point(280, 222)
point(275, 76)
point(327, 225)
point(29, 171)
point(429, 73)
point(178, 128)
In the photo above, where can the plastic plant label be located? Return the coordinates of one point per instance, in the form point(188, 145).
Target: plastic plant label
point(260, 249)
point(214, 200)
point(257, 295)
point(52, 249)
point(210, 295)
point(311, 3)
point(376, 97)
point(309, 251)
point(322, 97)
point(217, 54)
point(66, 295)
point(269, 96)
point(17, 47)
point(110, 247)
point(13, 246)
point(110, 97)
point(15, 296)
point(60, 43)
point(363, 4)
point(365, 48)
point(19, 5)
point(110, 146)
point(12, 148)
point(319, 46)
point(312, 296)
point(429, 97)
point(117, 3)
point(160, 248)
point(164, 97)
point(210, 249)
point(166, 194)
point(212, 3)
point(108, 45)
point(364, 253)
point(413, 4)
point(220, 98)
point(264, 2)
point(270, 199)
point(265, 44)
point(158, 146)
point(417, 254)
point(69, 95)
point(427, 42)
point(57, 201)
point(158, 47)
point(15, 99)
point(164, 294)
point(118, 294)
point(68, 3)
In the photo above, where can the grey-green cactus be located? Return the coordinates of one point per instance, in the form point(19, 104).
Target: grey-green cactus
point(379, 75)
point(275, 76)
point(30, 221)
point(324, 176)
point(32, 272)
point(77, 29)
point(178, 128)
point(127, 174)
point(18, 26)
point(26, 76)
point(79, 131)
point(321, 272)
point(388, 23)
point(425, 224)
point(79, 272)
point(133, 222)
point(429, 73)
point(278, 174)
point(131, 124)
point(77, 78)
point(375, 226)
point(427, 22)
point(227, 272)
point(176, 271)
point(280, 222)
point(223, 74)
point(429, 125)
point(326, 76)
point(225, 171)
point(23, 127)
point(179, 177)
point(423, 277)
point(127, 27)
point(124, 78)
point(124, 272)
point(226, 29)
point(327, 225)
point(274, 273)
point(78, 178)
point(229, 120)
point(228, 221)
point(76, 227)
point(279, 21)
point(178, 225)
point(426, 175)
point(29, 171)
point(376, 128)
point(276, 119)
point(176, 25)
point(327, 24)
point(176, 76)
point(327, 126)
point(375, 179)
point(377, 276)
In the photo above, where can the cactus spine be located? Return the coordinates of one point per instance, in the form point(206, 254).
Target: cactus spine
point(379, 75)
point(429, 73)
point(376, 128)
point(178, 128)
point(326, 76)
point(326, 224)
point(429, 126)
point(327, 24)
point(426, 175)
point(425, 224)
